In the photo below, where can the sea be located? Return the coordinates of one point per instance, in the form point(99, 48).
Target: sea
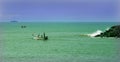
point(67, 42)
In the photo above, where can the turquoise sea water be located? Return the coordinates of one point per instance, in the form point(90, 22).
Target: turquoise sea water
point(65, 44)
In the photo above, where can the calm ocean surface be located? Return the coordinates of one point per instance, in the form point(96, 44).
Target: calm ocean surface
point(66, 43)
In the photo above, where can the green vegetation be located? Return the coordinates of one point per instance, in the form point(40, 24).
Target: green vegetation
point(114, 31)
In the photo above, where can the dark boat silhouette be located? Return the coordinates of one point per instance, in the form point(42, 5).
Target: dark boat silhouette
point(14, 21)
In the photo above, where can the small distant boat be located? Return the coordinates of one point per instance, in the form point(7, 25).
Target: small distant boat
point(14, 21)
point(38, 37)
point(23, 26)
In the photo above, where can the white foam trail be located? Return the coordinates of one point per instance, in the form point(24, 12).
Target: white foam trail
point(95, 33)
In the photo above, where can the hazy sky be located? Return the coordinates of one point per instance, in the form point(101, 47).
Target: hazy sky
point(60, 10)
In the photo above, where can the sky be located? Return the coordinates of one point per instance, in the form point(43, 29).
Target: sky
point(59, 10)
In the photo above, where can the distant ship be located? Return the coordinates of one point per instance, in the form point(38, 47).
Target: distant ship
point(14, 21)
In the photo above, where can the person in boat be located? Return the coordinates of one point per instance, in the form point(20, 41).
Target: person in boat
point(38, 37)
point(45, 37)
